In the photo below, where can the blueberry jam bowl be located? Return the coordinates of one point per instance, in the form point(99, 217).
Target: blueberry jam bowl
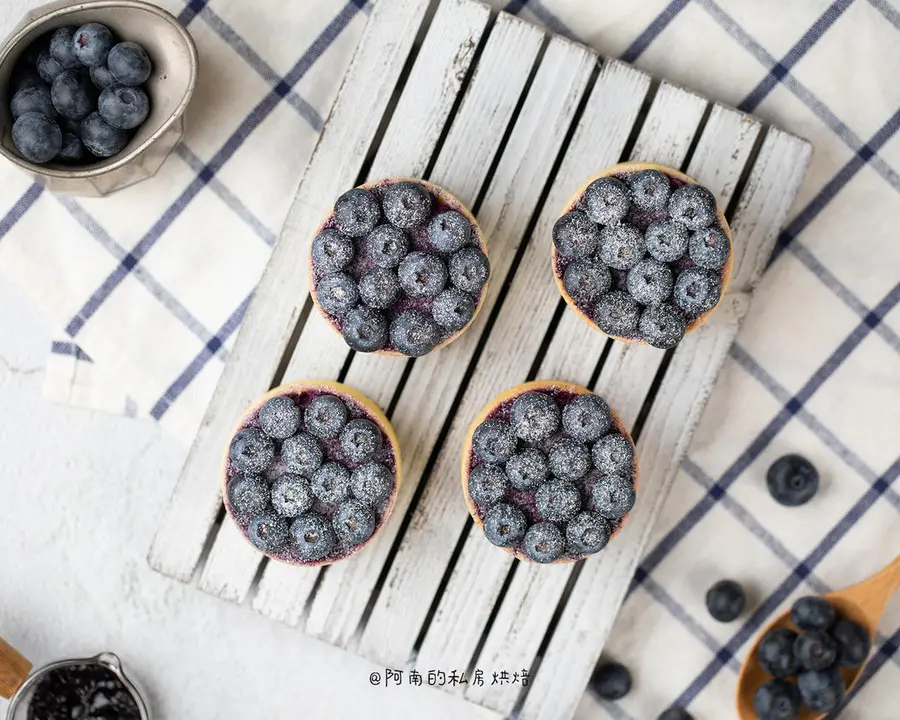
point(311, 473)
point(642, 253)
point(549, 472)
point(398, 267)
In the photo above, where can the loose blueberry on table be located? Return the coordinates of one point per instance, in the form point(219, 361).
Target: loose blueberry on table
point(311, 475)
point(398, 267)
point(793, 480)
point(76, 96)
point(642, 254)
point(86, 691)
point(549, 472)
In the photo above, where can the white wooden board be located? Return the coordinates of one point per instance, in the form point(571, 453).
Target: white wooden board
point(511, 121)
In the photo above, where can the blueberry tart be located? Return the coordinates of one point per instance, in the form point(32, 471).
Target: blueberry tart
point(311, 473)
point(549, 472)
point(398, 267)
point(642, 253)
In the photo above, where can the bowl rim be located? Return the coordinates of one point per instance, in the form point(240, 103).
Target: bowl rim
point(104, 167)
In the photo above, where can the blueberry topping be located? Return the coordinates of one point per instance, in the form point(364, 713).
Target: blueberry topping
point(248, 494)
point(487, 484)
point(544, 542)
point(558, 500)
point(379, 288)
point(776, 653)
point(326, 416)
point(575, 235)
point(650, 190)
point(815, 649)
point(569, 459)
point(697, 290)
point(822, 691)
point(693, 206)
point(268, 532)
point(414, 333)
point(453, 309)
point(494, 441)
point(101, 138)
point(613, 496)
point(360, 440)
point(607, 200)
point(621, 246)
point(587, 533)
point(662, 326)
point(534, 416)
point(331, 484)
point(102, 77)
point(527, 469)
point(365, 329)
point(356, 212)
point(37, 137)
point(813, 613)
point(406, 204)
point(469, 269)
point(354, 522)
point(710, 248)
point(302, 454)
point(331, 251)
point(675, 713)
point(91, 44)
point(33, 99)
point(505, 525)
point(617, 314)
point(614, 455)
point(387, 246)
point(129, 64)
point(279, 418)
point(853, 643)
point(251, 451)
point(650, 282)
point(48, 67)
point(586, 281)
point(313, 536)
point(422, 275)
point(777, 700)
point(372, 483)
point(338, 294)
point(62, 47)
point(72, 149)
point(587, 418)
point(73, 94)
point(611, 681)
point(792, 480)
point(667, 241)
point(450, 231)
point(292, 495)
point(725, 601)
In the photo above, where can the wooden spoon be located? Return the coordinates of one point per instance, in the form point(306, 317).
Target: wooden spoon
point(862, 603)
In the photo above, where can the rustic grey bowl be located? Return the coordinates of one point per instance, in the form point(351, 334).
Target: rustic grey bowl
point(170, 87)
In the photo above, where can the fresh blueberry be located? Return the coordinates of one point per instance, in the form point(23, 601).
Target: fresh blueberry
point(815, 649)
point(331, 484)
point(356, 212)
point(527, 469)
point(534, 416)
point(48, 67)
point(710, 248)
point(544, 542)
point(129, 64)
point(69, 126)
point(450, 231)
point(302, 454)
point(621, 246)
point(387, 246)
point(325, 416)
point(102, 77)
point(697, 290)
point(279, 417)
point(331, 251)
point(822, 691)
point(776, 653)
point(25, 75)
point(422, 275)
point(853, 642)
point(777, 700)
point(313, 536)
point(379, 288)
point(792, 480)
point(124, 107)
point(338, 294)
point(406, 204)
point(675, 713)
point(360, 440)
point(617, 314)
point(650, 282)
point(365, 329)
point(575, 235)
point(33, 99)
point(453, 309)
point(248, 494)
point(268, 532)
point(725, 601)
point(586, 281)
point(505, 525)
point(469, 269)
point(587, 418)
point(607, 200)
point(613, 496)
point(813, 613)
point(292, 495)
point(72, 150)
point(101, 138)
point(354, 522)
point(251, 450)
point(650, 190)
point(73, 95)
point(614, 455)
point(558, 500)
point(487, 484)
point(667, 241)
point(372, 483)
point(693, 206)
point(569, 459)
point(92, 43)
point(587, 533)
point(662, 326)
point(62, 47)
point(494, 441)
point(611, 681)
point(414, 333)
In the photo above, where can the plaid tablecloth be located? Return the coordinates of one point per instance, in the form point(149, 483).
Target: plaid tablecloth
point(148, 288)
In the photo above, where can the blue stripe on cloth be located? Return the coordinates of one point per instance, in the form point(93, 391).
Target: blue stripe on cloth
point(191, 10)
point(21, 206)
point(550, 20)
point(231, 146)
point(891, 14)
point(69, 348)
point(653, 30)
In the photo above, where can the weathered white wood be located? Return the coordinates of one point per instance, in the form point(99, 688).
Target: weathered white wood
point(283, 591)
point(276, 306)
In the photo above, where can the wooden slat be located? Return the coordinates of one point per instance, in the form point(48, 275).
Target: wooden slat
point(276, 306)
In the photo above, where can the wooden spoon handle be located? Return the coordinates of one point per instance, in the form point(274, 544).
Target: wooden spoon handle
point(13, 669)
point(891, 575)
